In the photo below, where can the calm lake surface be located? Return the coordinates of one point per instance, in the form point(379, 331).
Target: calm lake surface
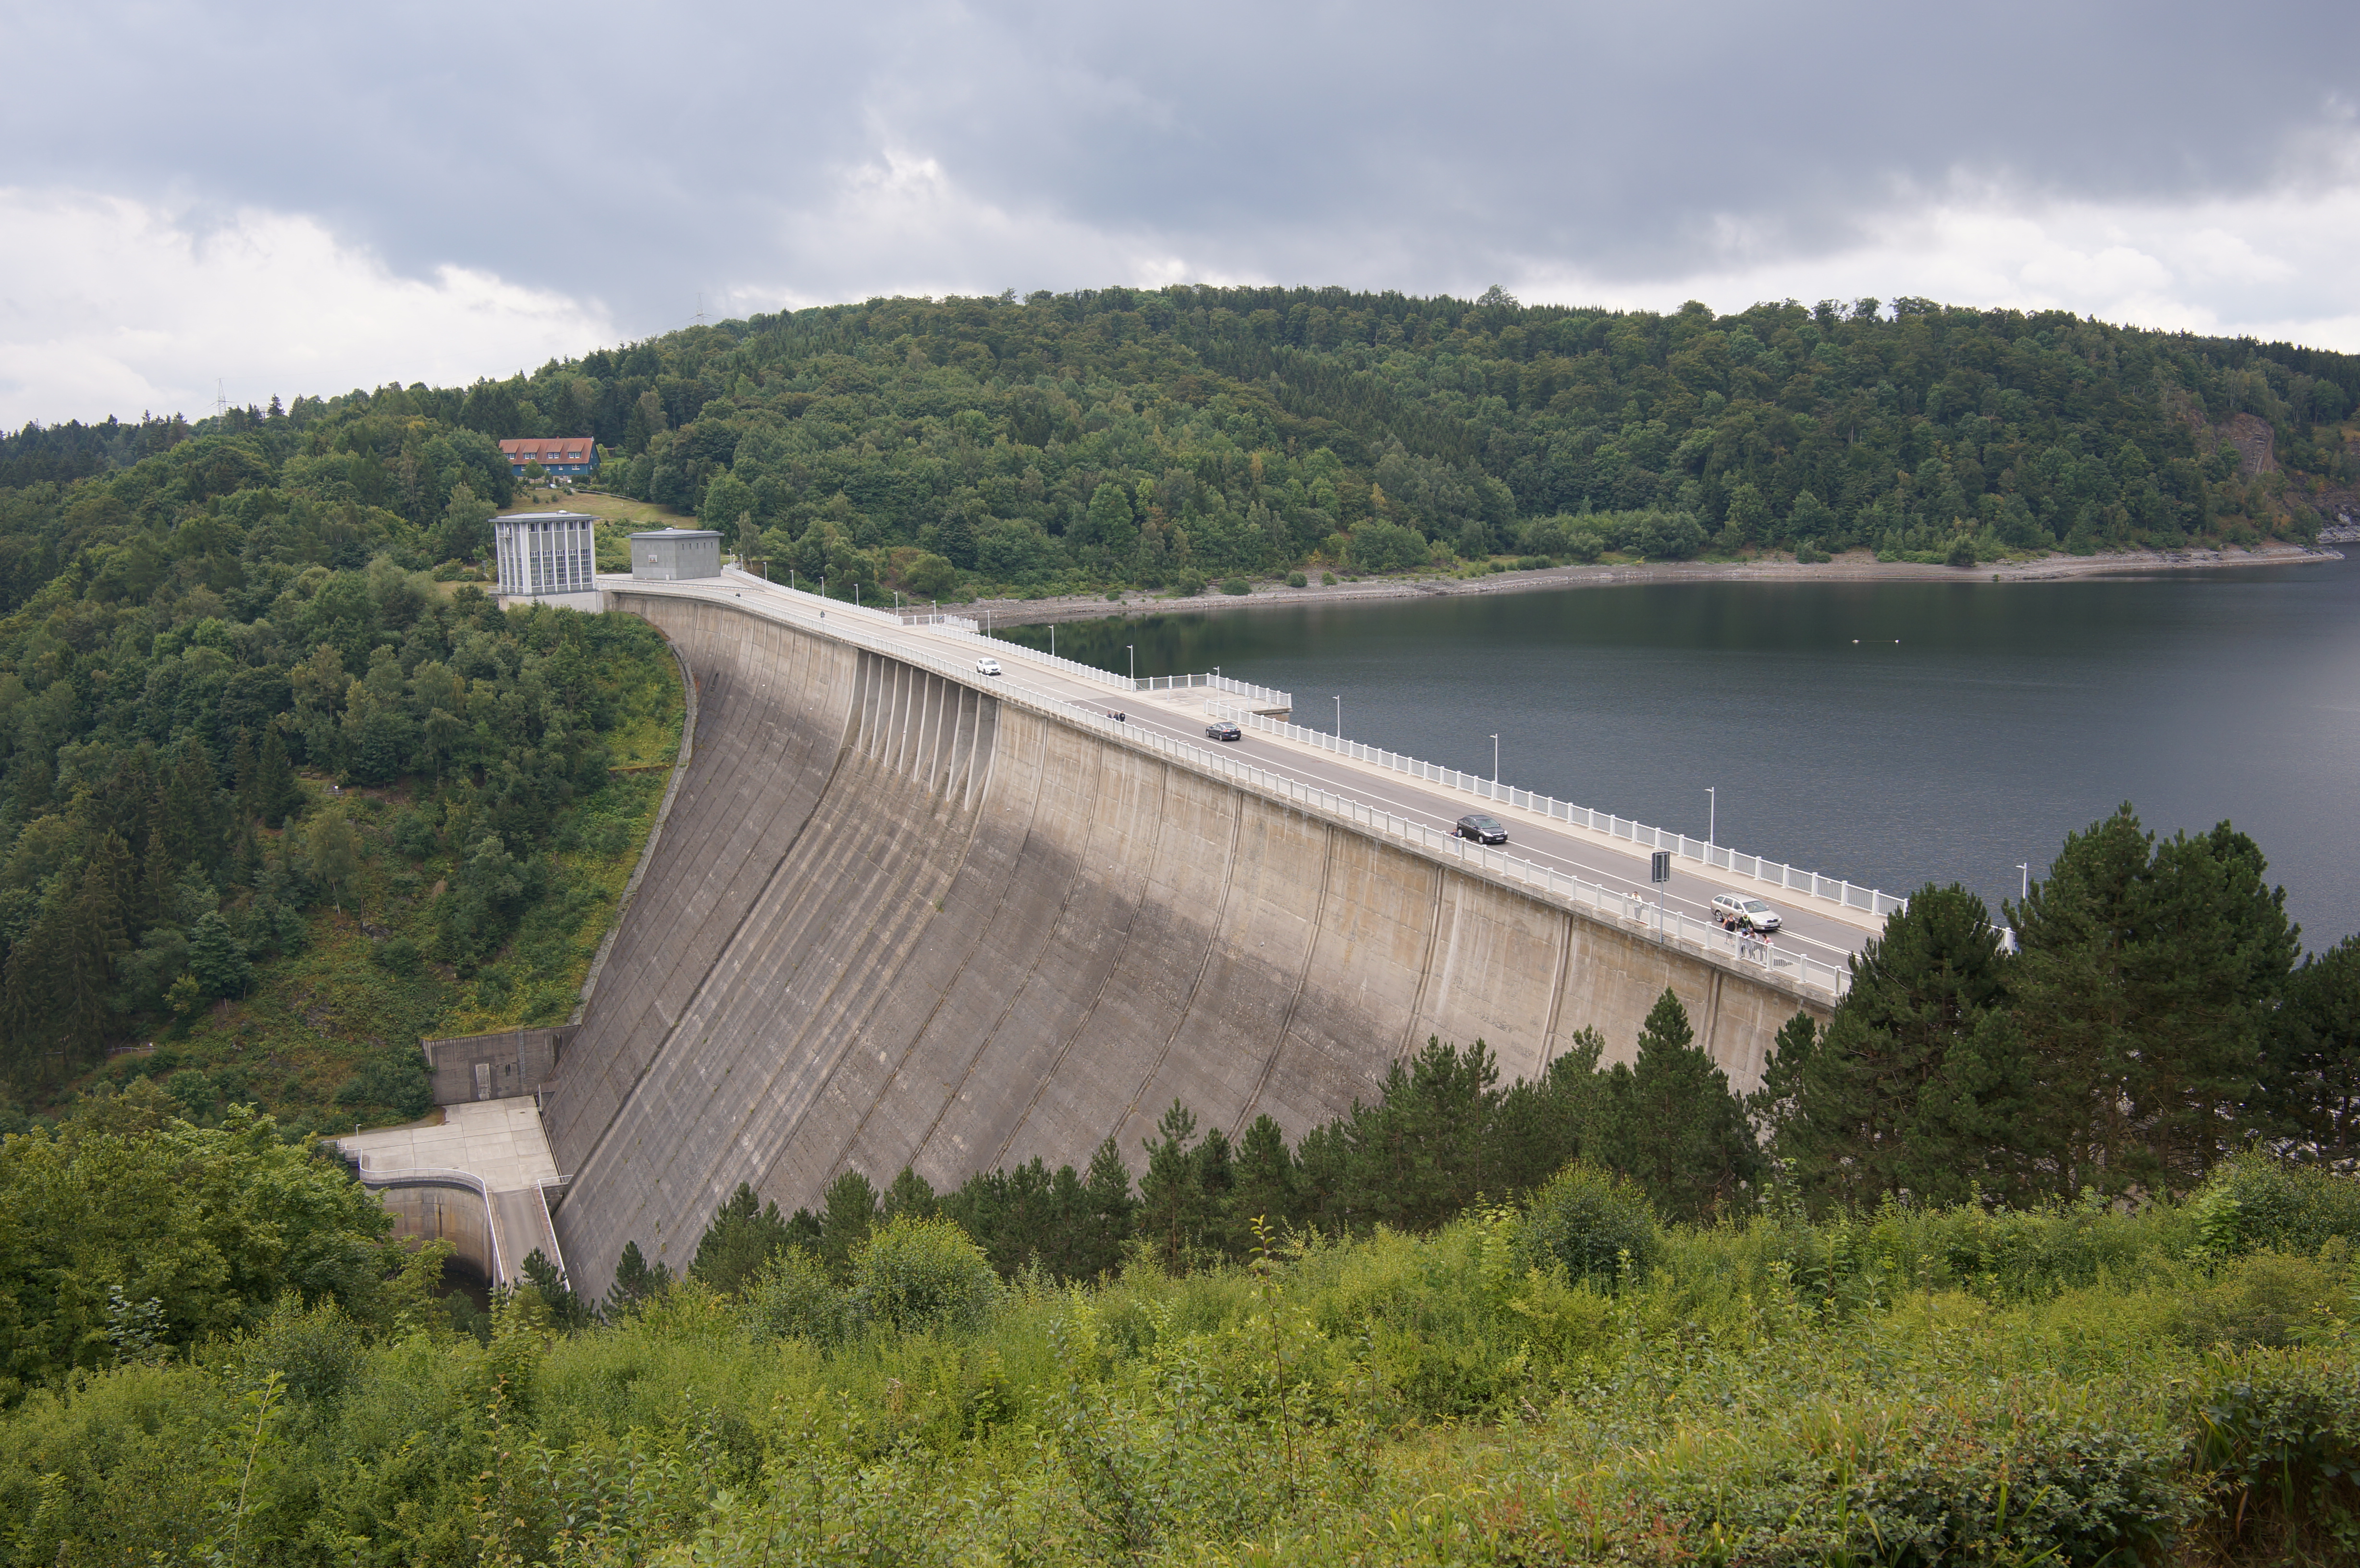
point(1968, 727)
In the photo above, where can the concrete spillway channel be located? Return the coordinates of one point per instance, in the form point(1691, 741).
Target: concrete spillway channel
point(897, 917)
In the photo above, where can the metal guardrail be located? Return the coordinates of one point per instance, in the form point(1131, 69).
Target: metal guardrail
point(1667, 926)
point(1718, 855)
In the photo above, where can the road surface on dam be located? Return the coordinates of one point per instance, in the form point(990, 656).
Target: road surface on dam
point(1181, 716)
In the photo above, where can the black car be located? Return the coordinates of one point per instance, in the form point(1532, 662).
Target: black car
point(1225, 730)
point(1481, 829)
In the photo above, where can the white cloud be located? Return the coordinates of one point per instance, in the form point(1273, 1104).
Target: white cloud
point(110, 305)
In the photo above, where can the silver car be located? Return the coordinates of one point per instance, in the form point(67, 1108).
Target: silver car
point(1739, 908)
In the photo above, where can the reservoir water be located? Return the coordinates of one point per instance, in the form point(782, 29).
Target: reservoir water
point(1888, 733)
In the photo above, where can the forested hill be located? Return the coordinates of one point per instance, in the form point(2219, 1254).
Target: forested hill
point(1145, 437)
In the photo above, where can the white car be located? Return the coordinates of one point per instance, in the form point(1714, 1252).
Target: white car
point(987, 667)
point(1750, 913)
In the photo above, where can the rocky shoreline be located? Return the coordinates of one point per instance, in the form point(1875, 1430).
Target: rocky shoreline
point(1853, 566)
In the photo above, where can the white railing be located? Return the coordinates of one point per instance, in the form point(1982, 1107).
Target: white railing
point(1261, 696)
point(1719, 856)
point(1667, 926)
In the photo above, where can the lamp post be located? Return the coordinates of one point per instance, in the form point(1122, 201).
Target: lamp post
point(1133, 650)
point(2025, 866)
point(1495, 762)
point(1053, 639)
point(1711, 814)
point(1339, 715)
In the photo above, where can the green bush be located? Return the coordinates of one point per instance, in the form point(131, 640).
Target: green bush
point(1296, 580)
point(1236, 586)
point(1386, 547)
point(1809, 553)
point(1962, 552)
point(916, 1274)
point(1588, 1222)
point(1187, 585)
point(790, 1297)
point(2255, 1201)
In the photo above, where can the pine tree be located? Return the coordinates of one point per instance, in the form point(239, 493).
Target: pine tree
point(911, 1194)
point(1106, 1189)
point(847, 1213)
point(1171, 1203)
point(1673, 1126)
point(745, 1232)
point(634, 1281)
point(2146, 991)
point(1265, 1177)
point(1856, 1130)
point(276, 793)
point(191, 815)
point(246, 774)
point(2310, 1080)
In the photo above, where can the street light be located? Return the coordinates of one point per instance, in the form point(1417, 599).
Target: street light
point(2026, 866)
point(1711, 815)
point(1339, 715)
point(1133, 650)
point(1495, 762)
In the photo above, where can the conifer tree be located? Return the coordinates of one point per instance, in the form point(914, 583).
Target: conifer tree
point(1171, 1198)
point(1898, 1095)
point(745, 1232)
point(1265, 1177)
point(276, 793)
point(2147, 988)
point(847, 1213)
point(2311, 1080)
point(1672, 1125)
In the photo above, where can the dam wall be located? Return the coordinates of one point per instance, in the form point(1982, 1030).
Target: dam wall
point(899, 921)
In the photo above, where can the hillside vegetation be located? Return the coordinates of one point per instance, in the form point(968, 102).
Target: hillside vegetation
point(1566, 1382)
point(1175, 436)
point(276, 799)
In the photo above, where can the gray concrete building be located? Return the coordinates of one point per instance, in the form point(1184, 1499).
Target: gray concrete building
point(672, 555)
point(545, 555)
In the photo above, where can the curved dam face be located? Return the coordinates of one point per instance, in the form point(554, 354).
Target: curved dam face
point(894, 920)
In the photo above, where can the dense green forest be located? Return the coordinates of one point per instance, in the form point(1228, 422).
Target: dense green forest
point(278, 793)
point(1174, 436)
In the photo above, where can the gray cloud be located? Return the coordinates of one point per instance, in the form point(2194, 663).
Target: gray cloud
point(631, 155)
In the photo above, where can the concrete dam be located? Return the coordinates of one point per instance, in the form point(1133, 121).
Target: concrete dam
point(895, 919)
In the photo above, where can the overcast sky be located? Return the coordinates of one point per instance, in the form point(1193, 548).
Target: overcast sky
point(303, 198)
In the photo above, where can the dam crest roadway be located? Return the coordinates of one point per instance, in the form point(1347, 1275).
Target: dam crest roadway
point(899, 912)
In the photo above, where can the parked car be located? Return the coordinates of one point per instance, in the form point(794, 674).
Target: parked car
point(1224, 730)
point(987, 667)
point(1739, 909)
point(1481, 829)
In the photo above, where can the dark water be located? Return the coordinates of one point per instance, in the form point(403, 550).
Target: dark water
point(1970, 728)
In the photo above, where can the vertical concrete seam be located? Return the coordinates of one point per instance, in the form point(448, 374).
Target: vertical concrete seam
point(1048, 933)
point(1426, 964)
point(1098, 996)
point(1212, 944)
point(722, 951)
point(1557, 987)
point(1303, 972)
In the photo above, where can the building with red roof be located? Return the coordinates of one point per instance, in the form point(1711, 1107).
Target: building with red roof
point(562, 457)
